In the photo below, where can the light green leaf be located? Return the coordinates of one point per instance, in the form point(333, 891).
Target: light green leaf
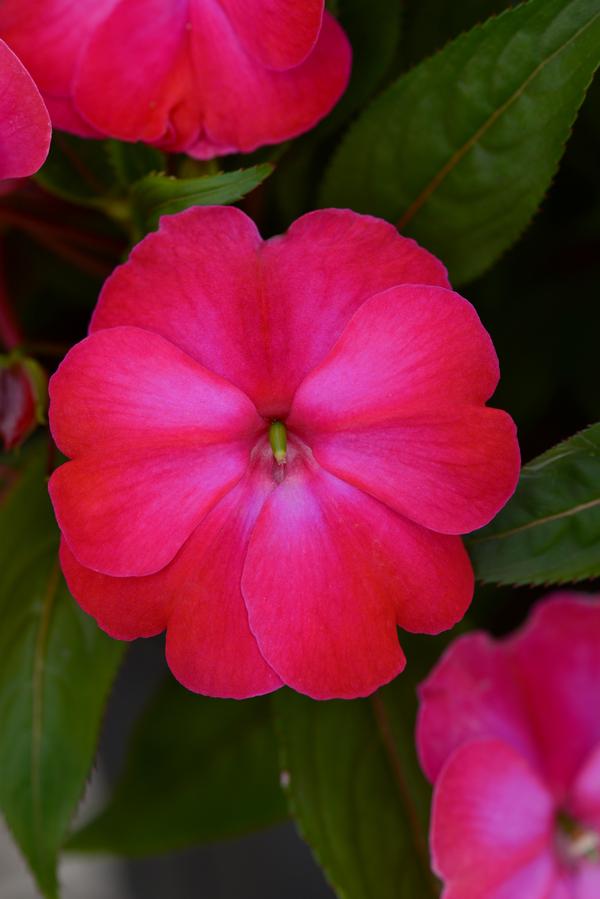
point(355, 787)
point(56, 668)
point(460, 151)
point(157, 195)
point(549, 533)
point(198, 769)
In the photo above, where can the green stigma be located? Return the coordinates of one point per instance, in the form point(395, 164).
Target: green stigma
point(278, 441)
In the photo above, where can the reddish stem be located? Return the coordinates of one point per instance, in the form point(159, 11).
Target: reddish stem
point(10, 332)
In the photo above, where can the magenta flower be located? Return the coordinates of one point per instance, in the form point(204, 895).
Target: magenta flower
point(194, 76)
point(24, 123)
point(509, 732)
point(274, 445)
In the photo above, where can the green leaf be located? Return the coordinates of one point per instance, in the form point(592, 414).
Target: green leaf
point(549, 533)
point(157, 195)
point(355, 787)
point(460, 151)
point(198, 769)
point(56, 668)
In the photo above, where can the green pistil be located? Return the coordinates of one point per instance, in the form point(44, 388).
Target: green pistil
point(278, 441)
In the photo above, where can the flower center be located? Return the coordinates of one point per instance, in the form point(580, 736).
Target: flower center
point(576, 841)
point(278, 441)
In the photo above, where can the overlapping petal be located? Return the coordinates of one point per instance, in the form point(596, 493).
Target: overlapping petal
point(247, 105)
point(260, 314)
point(492, 823)
point(25, 129)
point(210, 648)
point(156, 441)
point(393, 409)
point(330, 573)
point(157, 101)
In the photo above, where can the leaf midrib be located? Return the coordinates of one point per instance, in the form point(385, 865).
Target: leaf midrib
point(459, 154)
point(539, 522)
point(384, 729)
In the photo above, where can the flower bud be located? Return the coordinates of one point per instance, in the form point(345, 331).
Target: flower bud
point(23, 398)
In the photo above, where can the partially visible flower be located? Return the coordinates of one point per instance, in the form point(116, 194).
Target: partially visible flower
point(23, 393)
point(509, 733)
point(25, 130)
point(274, 447)
point(194, 76)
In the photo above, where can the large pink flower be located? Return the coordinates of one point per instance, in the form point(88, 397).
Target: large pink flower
point(208, 349)
point(24, 122)
point(509, 732)
point(205, 77)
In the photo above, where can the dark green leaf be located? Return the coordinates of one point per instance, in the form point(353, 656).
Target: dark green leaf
point(56, 668)
point(549, 533)
point(355, 787)
point(460, 151)
point(158, 195)
point(198, 769)
point(131, 162)
point(78, 170)
point(373, 29)
point(430, 24)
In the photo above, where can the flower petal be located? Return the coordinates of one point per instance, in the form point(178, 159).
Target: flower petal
point(126, 387)
point(557, 662)
point(24, 120)
point(277, 33)
point(260, 315)
point(124, 607)
point(491, 816)
point(584, 799)
point(157, 439)
point(49, 36)
point(329, 574)
point(471, 694)
point(395, 409)
point(210, 648)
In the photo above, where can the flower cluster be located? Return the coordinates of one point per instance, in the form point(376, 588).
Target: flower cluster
point(509, 732)
point(216, 77)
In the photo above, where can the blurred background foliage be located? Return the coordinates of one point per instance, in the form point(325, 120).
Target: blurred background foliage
point(200, 770)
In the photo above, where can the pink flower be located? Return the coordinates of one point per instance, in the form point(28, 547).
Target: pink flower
point(210, 349)
point(509, 732)
point(194, 76)
point(24, 123)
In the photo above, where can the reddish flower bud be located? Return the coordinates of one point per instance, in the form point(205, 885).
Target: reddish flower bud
point(22, 399)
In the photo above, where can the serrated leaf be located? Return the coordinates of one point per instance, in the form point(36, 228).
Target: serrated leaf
point(157, 195)
point(460, 151)
point(549, 532)
point(355, 787)
point(56, 668)
point(198, 769)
